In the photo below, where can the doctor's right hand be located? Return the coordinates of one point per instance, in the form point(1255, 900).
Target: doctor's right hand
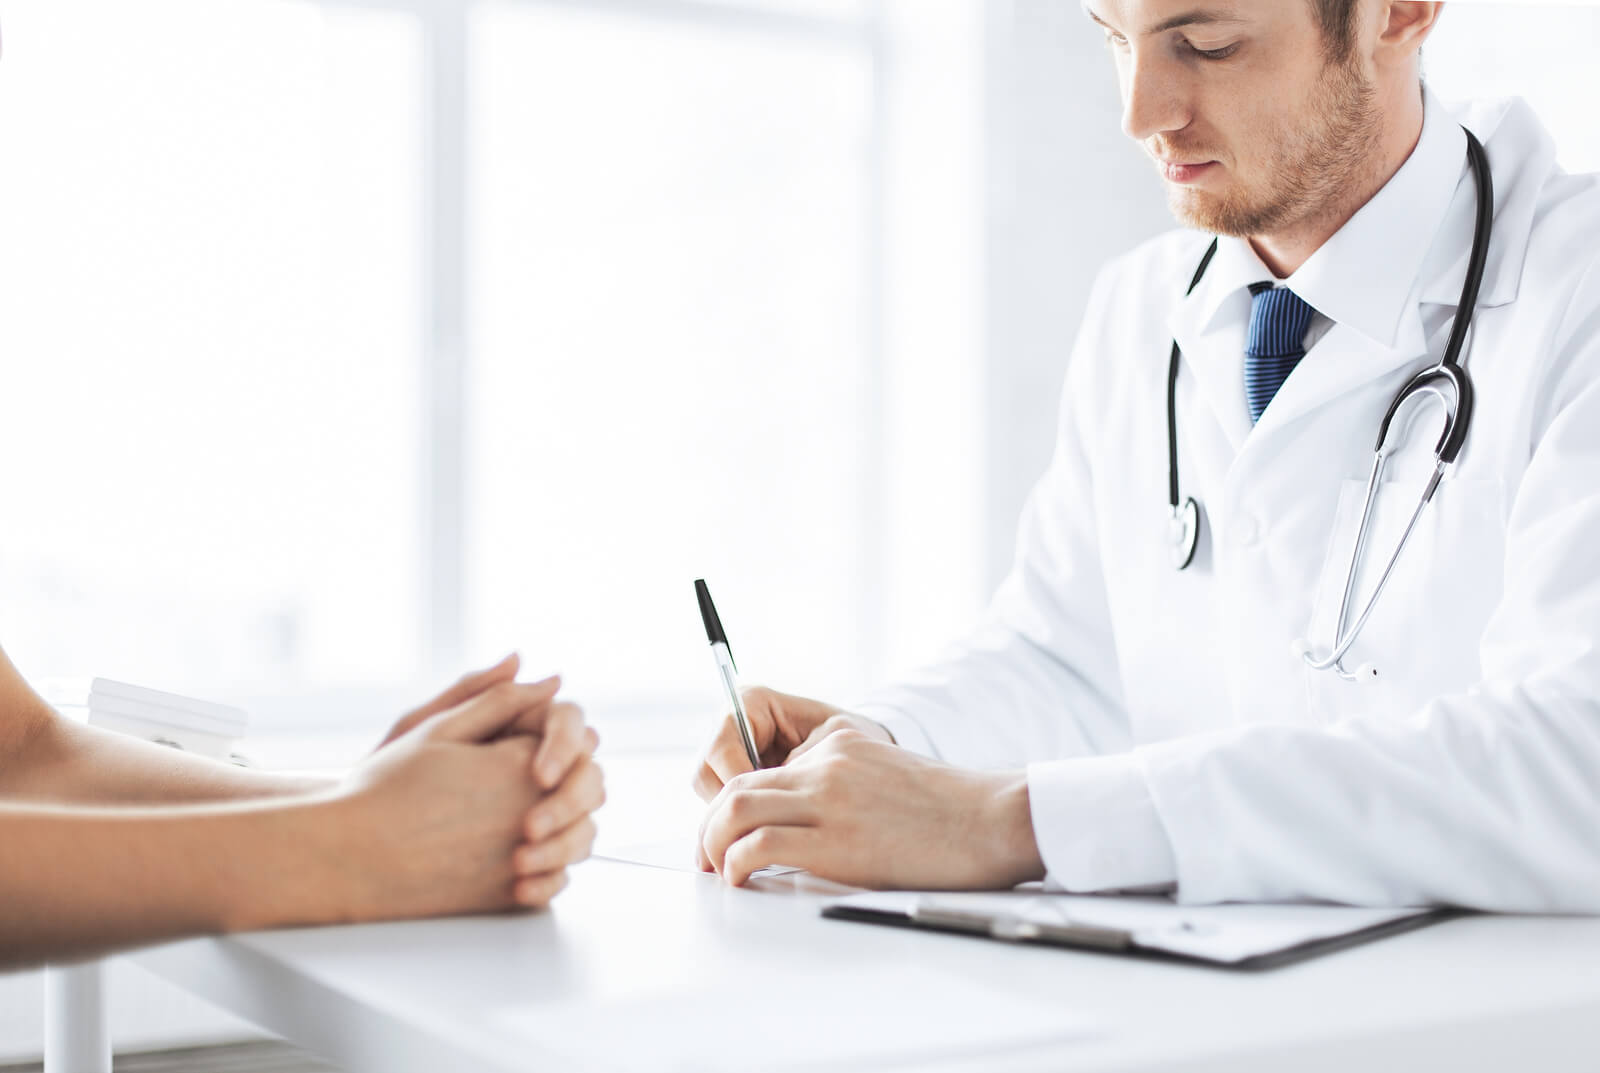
point(784, 727)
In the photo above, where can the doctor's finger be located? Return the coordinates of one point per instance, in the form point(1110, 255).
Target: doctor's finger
point(743, 811)
point(721, 768)
point(707, 784)
point(727, 756)
point(821, 733)
point(797, 847)
point(766, 779)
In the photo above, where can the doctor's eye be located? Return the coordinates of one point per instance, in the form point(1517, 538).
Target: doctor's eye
point(1116, 40)
point(1215, 53)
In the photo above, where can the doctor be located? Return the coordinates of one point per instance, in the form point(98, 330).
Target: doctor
point(1117, 721)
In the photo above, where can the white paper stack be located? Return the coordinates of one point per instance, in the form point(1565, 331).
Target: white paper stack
point(167, 718)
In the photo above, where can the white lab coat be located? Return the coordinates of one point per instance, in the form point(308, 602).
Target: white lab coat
point(1170, 732)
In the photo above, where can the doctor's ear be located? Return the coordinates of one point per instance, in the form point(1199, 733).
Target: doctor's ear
point(1403, 25)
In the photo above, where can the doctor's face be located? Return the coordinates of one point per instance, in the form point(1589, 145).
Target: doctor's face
point(1254, 122)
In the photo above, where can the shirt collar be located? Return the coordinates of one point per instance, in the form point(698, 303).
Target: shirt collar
point(1365, 275)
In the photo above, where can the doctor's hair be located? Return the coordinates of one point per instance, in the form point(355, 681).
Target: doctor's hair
point(1337, 21)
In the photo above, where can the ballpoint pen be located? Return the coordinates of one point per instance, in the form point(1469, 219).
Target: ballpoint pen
point(726, 669)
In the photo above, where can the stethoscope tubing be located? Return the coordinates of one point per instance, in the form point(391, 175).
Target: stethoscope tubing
point(1447, 376)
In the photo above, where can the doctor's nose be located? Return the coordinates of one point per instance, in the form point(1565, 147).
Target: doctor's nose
point(1152, 102)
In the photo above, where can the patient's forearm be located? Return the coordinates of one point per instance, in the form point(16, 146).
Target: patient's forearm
point(81, 882)
point(64, 762)
point(45, 758)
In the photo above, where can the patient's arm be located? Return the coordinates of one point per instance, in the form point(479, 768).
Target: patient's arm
point(449, 817)
point(77, 882)
point(46, 758)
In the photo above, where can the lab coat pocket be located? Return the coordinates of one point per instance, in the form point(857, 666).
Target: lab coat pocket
point(1423, 634)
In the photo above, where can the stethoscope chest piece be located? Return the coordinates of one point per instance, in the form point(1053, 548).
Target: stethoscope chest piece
point(1183, 533)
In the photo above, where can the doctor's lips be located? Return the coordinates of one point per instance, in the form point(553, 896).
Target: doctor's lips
point(1181, 172)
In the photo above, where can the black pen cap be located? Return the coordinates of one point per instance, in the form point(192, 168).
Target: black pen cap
point(708, 615)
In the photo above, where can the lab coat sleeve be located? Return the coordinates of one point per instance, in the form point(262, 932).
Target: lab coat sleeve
point(1123, 847)
point(1489, 799)
point(1038, 678)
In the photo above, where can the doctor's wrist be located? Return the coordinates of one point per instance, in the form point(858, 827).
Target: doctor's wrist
point(1008, 826)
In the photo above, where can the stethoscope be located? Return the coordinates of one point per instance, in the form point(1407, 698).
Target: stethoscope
point(1447, 382)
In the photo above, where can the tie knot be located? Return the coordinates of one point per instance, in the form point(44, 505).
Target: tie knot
point(1279, 319)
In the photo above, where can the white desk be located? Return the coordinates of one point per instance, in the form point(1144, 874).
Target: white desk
point(1473, 994)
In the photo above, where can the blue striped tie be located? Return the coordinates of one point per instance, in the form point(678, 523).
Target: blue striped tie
point(1278, 322)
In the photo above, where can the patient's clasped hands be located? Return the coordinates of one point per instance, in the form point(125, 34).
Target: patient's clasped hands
point(477, 801)
point(839, 798)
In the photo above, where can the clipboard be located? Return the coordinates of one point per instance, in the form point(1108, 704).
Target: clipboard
point(1248, 938)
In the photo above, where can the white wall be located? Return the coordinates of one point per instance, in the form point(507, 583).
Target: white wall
point(933, 529)
point(1066, 192)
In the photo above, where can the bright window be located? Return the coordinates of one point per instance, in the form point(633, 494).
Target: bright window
point(218, 297)
point(209, 401)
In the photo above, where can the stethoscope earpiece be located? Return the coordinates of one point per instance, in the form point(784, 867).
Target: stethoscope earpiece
point(1301, 649)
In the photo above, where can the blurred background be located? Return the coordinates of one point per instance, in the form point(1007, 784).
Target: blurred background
point(347, 343)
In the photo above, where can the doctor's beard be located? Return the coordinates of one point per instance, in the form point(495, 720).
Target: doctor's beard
point(1310, 164)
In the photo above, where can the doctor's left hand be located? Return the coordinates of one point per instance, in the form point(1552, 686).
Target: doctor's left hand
point(870, 814)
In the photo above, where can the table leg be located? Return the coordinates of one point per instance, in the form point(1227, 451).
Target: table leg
point(77, 1033)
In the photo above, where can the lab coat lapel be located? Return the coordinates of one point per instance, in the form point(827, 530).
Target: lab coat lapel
point(1213, 359)
point(1208, 326)
point(1343, 361)
point(1522, 156)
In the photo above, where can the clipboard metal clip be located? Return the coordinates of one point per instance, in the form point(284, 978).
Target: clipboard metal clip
point(1009, 928)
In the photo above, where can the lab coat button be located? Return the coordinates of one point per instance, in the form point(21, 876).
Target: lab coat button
point(1246, 531)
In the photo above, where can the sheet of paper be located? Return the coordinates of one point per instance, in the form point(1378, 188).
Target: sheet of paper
point(848, 1018)
point(676, 854)
point(1222, 933)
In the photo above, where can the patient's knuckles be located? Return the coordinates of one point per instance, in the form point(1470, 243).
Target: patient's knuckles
point(585, 845)
point(516, 756)
point(564, 721)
